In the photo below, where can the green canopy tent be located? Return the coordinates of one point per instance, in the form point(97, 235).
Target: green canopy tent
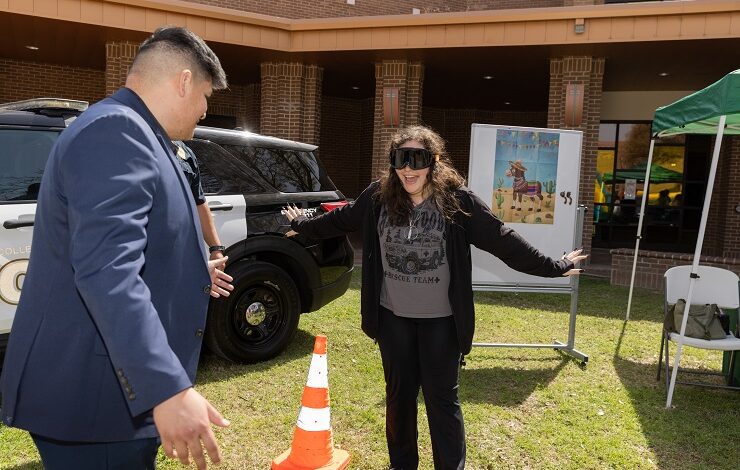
point(658, 174)
point(713, 110)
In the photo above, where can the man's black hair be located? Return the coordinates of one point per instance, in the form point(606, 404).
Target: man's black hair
point(183, 41)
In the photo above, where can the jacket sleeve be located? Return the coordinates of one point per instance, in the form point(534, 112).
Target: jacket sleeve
point(338, 222)
point(488, 233)
point(108, 217)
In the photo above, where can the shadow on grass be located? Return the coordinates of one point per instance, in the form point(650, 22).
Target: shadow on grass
point(504, 386)
point(700, 431)
point(214, 369)
point(27, 466)
point(597, 298)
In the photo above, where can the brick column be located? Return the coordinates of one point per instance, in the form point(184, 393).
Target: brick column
point(589, 72)
point(290, 104)
point(119, 55)
point(408, 77)
point(727, 198)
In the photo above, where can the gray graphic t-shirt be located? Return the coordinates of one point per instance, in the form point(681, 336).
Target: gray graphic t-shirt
point(416, 276)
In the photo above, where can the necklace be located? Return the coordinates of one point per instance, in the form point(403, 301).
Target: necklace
point(413, 219)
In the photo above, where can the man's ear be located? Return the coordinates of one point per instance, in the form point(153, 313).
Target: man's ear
point(184, 82)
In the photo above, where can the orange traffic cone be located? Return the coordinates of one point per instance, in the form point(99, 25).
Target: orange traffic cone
point(313, 445)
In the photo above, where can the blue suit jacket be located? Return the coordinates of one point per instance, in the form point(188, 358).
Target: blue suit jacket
point(113, 307)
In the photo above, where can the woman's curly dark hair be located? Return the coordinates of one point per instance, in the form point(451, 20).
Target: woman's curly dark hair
point(442, 179)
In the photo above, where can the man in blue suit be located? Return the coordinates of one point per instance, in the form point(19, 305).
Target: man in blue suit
point(105, 344)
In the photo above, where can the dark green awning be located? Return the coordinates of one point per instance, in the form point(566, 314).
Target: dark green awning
point(658, 174)
point(699, 112)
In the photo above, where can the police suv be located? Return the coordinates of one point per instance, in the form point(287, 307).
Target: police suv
point(247, 179)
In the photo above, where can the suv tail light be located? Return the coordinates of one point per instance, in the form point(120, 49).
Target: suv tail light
point(330, 206)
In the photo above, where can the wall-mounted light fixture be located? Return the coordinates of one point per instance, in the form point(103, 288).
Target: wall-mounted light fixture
point(580, 26)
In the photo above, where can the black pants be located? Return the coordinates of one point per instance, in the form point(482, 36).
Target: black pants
point(421, 353)
point(140, 454)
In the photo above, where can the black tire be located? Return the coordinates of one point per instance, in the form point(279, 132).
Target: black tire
point(276, 306)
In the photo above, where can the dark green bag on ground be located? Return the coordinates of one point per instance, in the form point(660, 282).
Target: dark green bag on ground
point(704, 322)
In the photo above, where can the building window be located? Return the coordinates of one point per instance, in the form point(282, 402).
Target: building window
point(674, 195)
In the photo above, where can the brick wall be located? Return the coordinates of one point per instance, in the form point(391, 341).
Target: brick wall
point(23, 80)
point(722, 236)
point(651, 265)
point(454, 126)
point(408, 77)
point(119, 55)
point(474, 5)
point(728, 198)
point(589, 72)
point(715, 230)
point(340, 8)
point(290, 101)
point(346, 144)
point(240, 101)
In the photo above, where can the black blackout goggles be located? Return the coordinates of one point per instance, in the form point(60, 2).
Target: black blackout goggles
point(416, 159)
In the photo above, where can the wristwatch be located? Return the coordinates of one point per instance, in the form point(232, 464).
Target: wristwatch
point(213, 248)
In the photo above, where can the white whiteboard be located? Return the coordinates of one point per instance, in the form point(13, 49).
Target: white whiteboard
point(537, 171)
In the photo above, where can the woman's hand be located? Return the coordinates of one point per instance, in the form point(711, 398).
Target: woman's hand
point(291, 212)
point(576, 257)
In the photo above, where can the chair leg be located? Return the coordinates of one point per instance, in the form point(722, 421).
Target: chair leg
point(660, 355)
point(667, 367)
point(731, 371)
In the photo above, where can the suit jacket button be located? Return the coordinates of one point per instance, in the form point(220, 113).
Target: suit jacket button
point(199, 333)
point(120, 372)
point(207, 289)
point(132, 396)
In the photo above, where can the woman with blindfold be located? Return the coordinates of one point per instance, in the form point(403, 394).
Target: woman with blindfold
point(418, 222)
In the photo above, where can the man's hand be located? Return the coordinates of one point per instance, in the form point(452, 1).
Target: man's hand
point(184, 425)
point(219, 280)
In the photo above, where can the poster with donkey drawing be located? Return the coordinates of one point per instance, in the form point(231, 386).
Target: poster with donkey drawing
point(525, 172)
point(529, 178)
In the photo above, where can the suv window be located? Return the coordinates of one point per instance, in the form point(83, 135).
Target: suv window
point(223, 173)
point(288, 171)
point(23, 157)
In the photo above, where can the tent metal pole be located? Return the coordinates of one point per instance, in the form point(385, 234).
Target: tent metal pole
point(697, 254)
point(639, 224)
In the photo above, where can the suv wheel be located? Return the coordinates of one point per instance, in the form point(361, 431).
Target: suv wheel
point(257, 321)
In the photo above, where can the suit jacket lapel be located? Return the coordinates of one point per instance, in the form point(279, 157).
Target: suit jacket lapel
point(129, 98)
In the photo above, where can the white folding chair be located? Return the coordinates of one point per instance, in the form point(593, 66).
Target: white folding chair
point(714, 286)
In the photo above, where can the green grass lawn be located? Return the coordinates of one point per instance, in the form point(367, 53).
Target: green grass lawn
point(524, 408)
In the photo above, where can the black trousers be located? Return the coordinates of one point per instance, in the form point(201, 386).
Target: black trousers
point(139, 454)
point(421, 353)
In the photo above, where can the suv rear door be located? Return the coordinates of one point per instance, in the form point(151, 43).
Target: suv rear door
point(223, 182)
point(23, 155)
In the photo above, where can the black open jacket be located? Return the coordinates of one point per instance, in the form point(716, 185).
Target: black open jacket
point(479, 227)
